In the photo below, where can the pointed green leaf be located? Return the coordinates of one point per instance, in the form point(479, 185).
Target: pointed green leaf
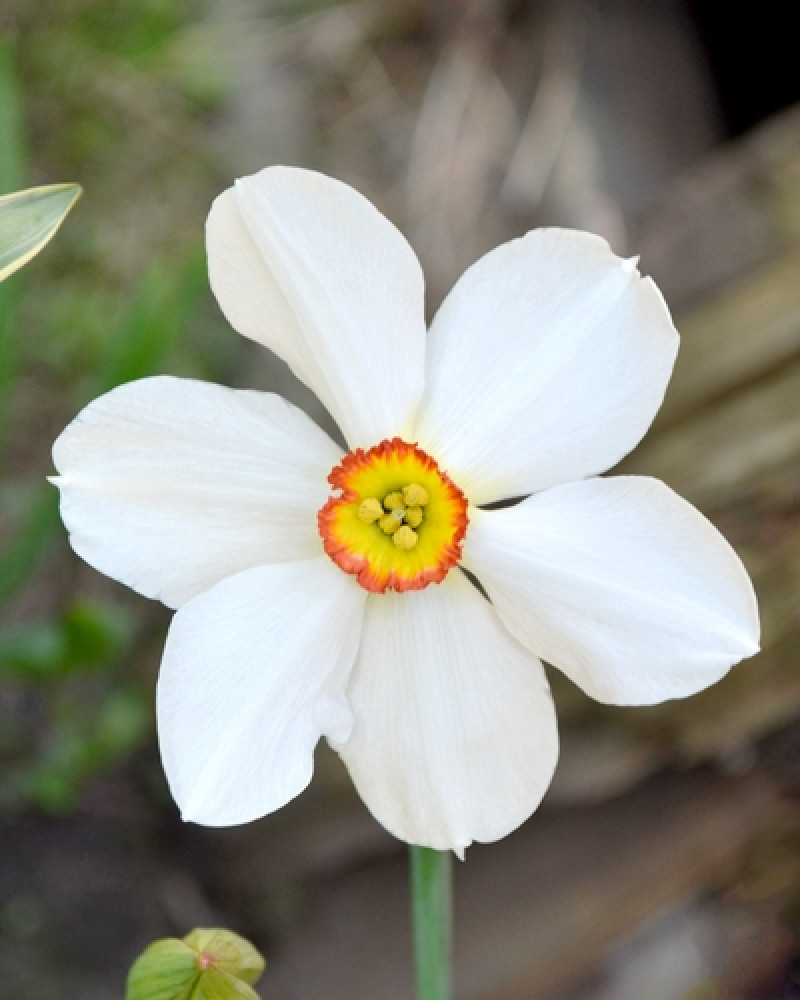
point(230, 953)
point(166, 970)
point(215, 984)
point(29, 219)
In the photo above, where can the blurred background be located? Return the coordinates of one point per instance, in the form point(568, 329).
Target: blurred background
point(664, 864)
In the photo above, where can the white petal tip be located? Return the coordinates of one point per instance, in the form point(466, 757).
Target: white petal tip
point(335, 721)
point(213, 819)
point(749, 648)
point(188, 816)
point(745, 642)
point(631, 264)
point(192, 814)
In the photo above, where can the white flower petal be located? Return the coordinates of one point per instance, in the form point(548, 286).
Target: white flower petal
point(546, 363)
point(455, 733)
point(621, 584)
point(308, 267)
point(254, 671)
point(169, 485)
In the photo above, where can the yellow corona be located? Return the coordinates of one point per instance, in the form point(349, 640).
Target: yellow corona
point(398, 521)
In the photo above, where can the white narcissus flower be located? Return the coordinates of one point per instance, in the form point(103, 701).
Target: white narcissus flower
point(320, 595)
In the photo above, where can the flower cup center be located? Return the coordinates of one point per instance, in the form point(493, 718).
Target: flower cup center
point(398, 521)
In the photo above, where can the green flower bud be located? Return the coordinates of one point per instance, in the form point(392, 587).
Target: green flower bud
point(208, 964)
point(231, 953)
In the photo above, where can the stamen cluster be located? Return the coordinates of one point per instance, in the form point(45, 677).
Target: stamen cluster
point(399, 514)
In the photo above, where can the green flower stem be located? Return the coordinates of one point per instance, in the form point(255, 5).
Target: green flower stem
point(431, 920)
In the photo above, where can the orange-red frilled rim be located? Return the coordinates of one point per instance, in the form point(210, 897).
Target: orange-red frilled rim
point(399, 521)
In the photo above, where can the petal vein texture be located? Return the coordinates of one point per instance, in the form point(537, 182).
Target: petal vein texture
point(621, 584)
point(170, 485)
point(254, 672)
point(546, 363)
point(455, 733)
point(306, 266)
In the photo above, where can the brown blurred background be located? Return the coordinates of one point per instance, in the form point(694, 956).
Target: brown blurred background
point(664, 864)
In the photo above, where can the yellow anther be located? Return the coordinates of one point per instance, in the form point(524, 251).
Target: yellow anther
point(391, 522)
point(414, 517)
point(415, 495)
point(394, 501)
point(370, 510)
point(405, 538)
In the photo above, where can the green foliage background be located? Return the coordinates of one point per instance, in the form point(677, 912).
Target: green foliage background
point(116, 97)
